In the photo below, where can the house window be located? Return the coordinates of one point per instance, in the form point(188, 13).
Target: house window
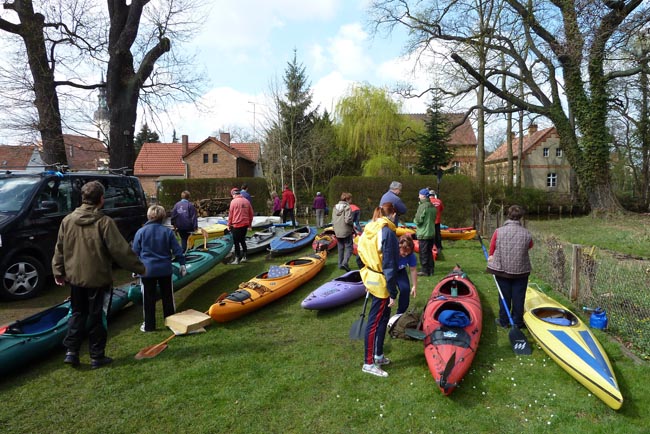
point(558, 152)
point(215, 158)
point(546, 152)
point(205, 158)
point(551, 180)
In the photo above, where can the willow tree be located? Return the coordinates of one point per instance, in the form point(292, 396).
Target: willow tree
point(564, 53)
point(369, 128)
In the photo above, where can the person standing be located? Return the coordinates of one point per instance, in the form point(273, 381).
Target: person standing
point(343, 229)
point(406, 259)
point(87, 244)
point(425, 219)
point(379, 251)
point(319, 206)
point(392, 196)
point(509, 261)
point(156, 245)
point(184, 218)
point(288, 204)
point(356, 216)
point(240, 219)
point(245, 194)
point(435, 200)
point(277, 207)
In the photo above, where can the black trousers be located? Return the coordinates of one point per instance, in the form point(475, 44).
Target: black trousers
point(438, 237)
point(288, 212)
point(239, 239)
point(87, 309)
point(150, 293)
point(426, 256)
point(514, 293)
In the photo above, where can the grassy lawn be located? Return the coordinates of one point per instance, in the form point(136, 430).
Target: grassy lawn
point(283, 369)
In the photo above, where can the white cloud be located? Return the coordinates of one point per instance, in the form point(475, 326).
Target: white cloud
point(348, 51)
point(329, 89)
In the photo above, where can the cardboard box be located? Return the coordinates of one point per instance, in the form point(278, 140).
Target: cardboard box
point(187, 321)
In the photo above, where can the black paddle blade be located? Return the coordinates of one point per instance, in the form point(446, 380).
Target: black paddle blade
point(358, 329)
point(445, 374)
point(520, 344)
point(415, 334)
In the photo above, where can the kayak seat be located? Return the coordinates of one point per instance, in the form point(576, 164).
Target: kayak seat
point(444, 335)
point(42, 323)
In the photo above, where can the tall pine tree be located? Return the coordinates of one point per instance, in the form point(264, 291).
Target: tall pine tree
point(433, 150)
point(145, 135)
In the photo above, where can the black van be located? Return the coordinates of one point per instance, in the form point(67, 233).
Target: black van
point(32, 206)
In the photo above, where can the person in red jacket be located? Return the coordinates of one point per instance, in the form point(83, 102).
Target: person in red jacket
point(288, 204)
point(435, 200)
point(240, 219)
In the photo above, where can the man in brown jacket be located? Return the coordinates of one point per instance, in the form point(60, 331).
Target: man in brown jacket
point(87, 244)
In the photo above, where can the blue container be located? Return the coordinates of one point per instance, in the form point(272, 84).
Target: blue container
point(598, 319)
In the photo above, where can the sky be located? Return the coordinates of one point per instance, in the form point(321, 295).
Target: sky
point(246, 45)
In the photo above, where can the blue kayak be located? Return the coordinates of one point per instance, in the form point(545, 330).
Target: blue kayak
point(293, 241)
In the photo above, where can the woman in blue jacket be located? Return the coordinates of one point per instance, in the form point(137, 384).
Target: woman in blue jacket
point(156, 244)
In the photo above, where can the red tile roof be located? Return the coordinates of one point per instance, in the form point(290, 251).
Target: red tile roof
point(15, 157)
point(85, 153)
point(157, 159)
point(463, 134)
point(530, 141)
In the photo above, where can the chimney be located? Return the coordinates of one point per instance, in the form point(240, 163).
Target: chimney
point(225, 138)
point(184, 144)
point(532, 129)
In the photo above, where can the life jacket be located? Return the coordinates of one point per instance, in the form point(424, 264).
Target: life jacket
point(369, 249)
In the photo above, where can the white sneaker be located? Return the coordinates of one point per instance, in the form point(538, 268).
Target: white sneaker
point(234, 261)
point(243, 259)
point(374, 370)
point(382, 361)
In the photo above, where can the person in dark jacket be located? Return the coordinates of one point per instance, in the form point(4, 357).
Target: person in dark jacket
point(184, 218)
point(156, 245)
point(343, 229)
point(392, 196)
point(509, 261)
point(319, 206)
point(245, 194)
point(425, 219)
point(87, 245)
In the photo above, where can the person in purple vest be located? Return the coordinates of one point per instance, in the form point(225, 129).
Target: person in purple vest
point(184, 218)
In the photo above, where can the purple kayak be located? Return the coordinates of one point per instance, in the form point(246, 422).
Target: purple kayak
point(337, 292)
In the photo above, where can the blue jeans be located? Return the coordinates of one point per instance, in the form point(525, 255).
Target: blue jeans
point(376, 329)
point(514, 293)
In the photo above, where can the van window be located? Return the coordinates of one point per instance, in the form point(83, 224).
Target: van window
point(56, 197)
point(15, 191)
point(119, 193)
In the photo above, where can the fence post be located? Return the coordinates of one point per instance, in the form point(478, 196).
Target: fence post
point(574, 290)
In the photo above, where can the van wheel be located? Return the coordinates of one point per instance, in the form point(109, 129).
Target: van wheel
point(23, 277)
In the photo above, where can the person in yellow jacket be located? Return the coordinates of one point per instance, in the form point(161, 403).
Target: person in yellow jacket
point(379, 251)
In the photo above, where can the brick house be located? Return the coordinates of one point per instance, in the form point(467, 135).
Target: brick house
point(211, 158)
point(25, 157)
point(462, 141)
point(543, 165)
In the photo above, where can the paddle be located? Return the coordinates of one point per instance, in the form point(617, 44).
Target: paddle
point(154, 350)
point(357, 330)
point(415, 334)
point(520, 344)
point(445, 374)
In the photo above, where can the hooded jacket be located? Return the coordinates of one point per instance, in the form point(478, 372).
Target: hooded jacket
point(87, 244)
point(379, 250)
point(425, 219)
point(342, 219)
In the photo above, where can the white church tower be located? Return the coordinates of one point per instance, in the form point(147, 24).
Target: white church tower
point(101, 117)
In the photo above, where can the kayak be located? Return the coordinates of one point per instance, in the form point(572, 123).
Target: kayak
point(293, 240)
point(458, 233)
point(568, 341)
point(337, 292)
point(260, 241)
point(206, 233)
point(267, 287)
point(197, 263)
point(326, 240)
point(452, 324)
point(29, 339)
point(264, 221)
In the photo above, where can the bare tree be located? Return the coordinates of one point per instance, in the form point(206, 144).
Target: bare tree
point(569, 65)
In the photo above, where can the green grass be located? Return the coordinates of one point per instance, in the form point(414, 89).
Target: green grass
point(283, 369)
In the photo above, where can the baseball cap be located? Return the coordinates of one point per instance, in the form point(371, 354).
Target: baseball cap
point(424, 192)
point(234, 191)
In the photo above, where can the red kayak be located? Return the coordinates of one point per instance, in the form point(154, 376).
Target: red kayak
point(452, 327)
point(434, 250)
point(326, 240)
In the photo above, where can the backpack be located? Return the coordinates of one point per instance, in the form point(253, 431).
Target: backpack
point(410, 319)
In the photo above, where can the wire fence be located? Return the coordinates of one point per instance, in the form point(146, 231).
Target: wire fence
point(591, 277)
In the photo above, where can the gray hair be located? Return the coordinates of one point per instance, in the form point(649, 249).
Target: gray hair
point(395, 185)
point(156, 213)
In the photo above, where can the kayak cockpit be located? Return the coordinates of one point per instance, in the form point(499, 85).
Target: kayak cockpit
point(554, 315)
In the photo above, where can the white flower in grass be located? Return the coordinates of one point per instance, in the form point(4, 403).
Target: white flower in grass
point(381, 415)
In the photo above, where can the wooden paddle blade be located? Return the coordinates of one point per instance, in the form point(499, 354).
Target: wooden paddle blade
point(520, 344)
point(358, 330)
point(415, 334)
point(151, 352)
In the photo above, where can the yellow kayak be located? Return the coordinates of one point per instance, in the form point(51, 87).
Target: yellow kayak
point(267, 287)
point(568, 341)
point(206, 233)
